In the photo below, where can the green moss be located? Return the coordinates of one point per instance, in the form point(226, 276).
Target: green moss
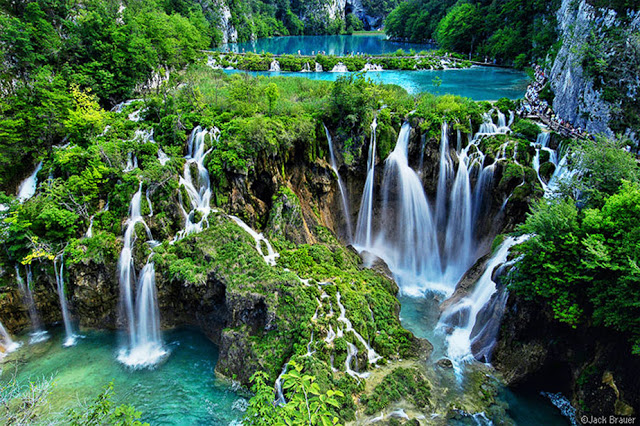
point(401, 383)
point(527, 129)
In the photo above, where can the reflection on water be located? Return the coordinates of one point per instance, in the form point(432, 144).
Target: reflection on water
point(330, 45)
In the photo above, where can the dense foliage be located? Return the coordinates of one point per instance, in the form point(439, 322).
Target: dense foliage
point(511, 31)
point(50, 51)
point(582, 258)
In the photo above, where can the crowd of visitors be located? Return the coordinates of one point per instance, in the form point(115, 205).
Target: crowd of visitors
point(533, 105)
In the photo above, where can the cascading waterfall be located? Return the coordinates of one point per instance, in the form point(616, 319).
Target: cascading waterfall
point(38, 334)
point(340, 67)
point(7, 344)
point(270, 256)
point(198, 189)
point(70, 337)
point(407, 242)
point(28, 186)
point(459, 249)
point(364, 226)
point(145, 347)
point(343, 192)
point(428, 254)
point(463, 314)
point(275, 66)
point(444, 175)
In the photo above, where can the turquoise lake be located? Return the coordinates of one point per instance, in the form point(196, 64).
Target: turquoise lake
point(331, 45)
point(478, 82)
point(182, 390)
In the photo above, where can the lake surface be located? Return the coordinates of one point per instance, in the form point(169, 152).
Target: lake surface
point(372, 44)
point(477, 83)
point(183, 390)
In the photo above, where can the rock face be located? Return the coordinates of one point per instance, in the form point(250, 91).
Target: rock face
point(590, 366)
point(577, 99)
point(229, 32)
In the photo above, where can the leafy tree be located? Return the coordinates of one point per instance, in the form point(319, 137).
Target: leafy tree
point(273, 94)
point(459, 28)
point(103, 411)
point(307, 404)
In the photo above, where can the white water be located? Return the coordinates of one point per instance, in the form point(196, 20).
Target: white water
point(198, 188)
point(340, 67)
point(372, 356)
point(407, 241)
point(364, 227)
point(372, 67)
point(28, 186)
point(70, 337)
point(280, 400)
point(25, 289)
point(564, 405)
point(144, 347)
point(465, 311)
point(425, 252)
point(352, 352)
point(7, 344)
point(270, 256)
point(318, 67)
point(343, 192)
point(132, 163)
point(275, 66)
point(162, 157)
point(89, 232)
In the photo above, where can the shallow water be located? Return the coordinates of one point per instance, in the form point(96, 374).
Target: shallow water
point(477, 83)
point(182, 390)
point(526, 407)
point(331, 45)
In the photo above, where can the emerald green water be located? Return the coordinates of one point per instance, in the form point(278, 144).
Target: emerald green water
point(477, 83)
point(181, 391)
point(526, 407)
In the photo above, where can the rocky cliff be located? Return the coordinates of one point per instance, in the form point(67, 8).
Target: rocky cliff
point(595, 75)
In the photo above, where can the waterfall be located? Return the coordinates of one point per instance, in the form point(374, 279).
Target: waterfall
point(318, 67)
point(162, 157)
point(7, 344)
point(306, 67)
point(458, 243)
point(364, 227)
point(463, 314)
point(270, 256)
point(89, 232)
point(149, 203)
point(275, 66)
point(28, 186)
point(372, 67)
point(343, 192)
point(132, 163)
point(145, 345)
point(38, 334)
point(541, 144)
point(198, 189)
point(280, 400)
point(340, 67)
point(372, 356)
point(70, 338)
point(409, 243)
point(444, 175)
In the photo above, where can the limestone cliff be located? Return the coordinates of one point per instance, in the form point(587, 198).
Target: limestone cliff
point(595, 76)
